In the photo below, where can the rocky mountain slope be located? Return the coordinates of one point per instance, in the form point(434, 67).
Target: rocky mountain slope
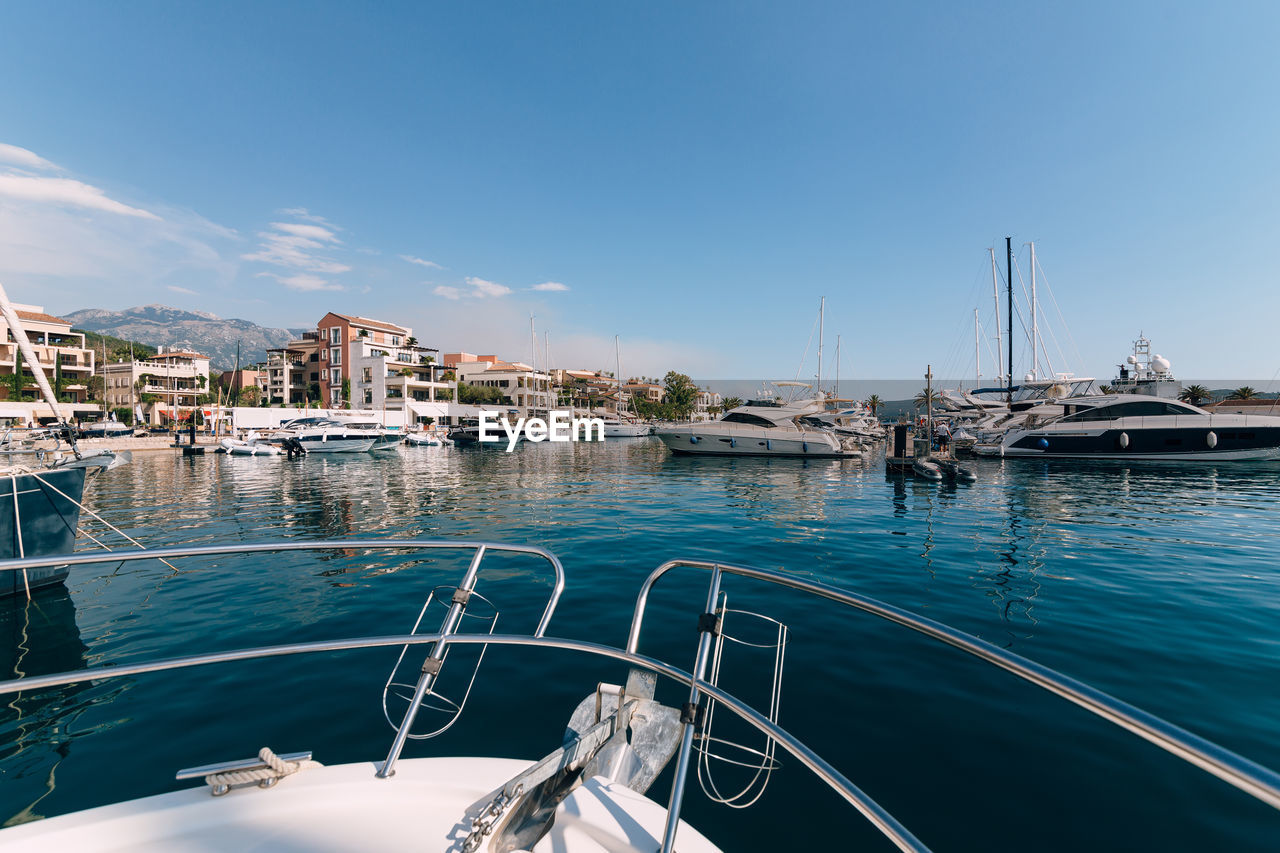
point(195, 330)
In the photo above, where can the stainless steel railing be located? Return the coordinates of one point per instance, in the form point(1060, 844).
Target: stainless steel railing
point(1255, 780)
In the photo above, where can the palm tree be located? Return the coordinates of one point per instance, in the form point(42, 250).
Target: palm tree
point(1244, 392)
point(1106, 389)
point(926, 398)
point(875, 404)
point(731, 403)
point(1194, 394)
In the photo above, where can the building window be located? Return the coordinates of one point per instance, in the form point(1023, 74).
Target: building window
point(335, 335)
point(368, 396)
point(395, 340)
point(335, 376)
point(368, 374)
point(335, 355)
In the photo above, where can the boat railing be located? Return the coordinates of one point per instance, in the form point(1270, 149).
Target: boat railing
point(1253, 779)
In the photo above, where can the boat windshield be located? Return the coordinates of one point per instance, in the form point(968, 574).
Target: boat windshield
point(747, 418)
point(1132, 409)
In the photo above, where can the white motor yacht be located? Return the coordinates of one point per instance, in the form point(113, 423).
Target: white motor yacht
point(384, 437)
point(617, 428)
point(330, 436)
point(760, 429)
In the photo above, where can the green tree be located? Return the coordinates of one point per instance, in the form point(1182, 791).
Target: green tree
point(926, 398)
point(1194, 394)
point(481, 395)
point(731, 403)
point(96, 386)
point(1244, 392)
point(124, 415)
point(875, 404)
point(681, 394)
point(249, 395)
point(346, 390)
point(1106, 389)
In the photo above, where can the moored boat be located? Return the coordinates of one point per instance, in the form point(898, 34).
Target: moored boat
point(760, 430)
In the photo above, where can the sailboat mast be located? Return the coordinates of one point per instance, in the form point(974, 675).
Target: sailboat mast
point(1035, 334)
point(977, 352)
point(995, 296)
point(1008, 257)
point(837, 367)
point(533, 363)
point(822, 308)
point(617, 367)
point(20, 338)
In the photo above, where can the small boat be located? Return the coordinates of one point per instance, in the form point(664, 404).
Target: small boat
point(926, 469)
point(252, 445)
point(616, 428)
point(423, 439)
point(952, 471)
point(105, 429)
point(762, 430)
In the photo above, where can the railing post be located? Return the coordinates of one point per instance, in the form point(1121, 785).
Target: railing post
point(690, 718)
point(431, 666)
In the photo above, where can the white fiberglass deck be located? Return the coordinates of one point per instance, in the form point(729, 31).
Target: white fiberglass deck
point(426, 806)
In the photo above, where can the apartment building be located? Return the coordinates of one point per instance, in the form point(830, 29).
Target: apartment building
point(707, 405)
point(526, 389)
point(62, 353)
point(393, 378)
point(339, 334)
point(162, 384)
point(292, 372)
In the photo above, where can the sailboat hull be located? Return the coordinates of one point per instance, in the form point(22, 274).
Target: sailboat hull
point(43, 522)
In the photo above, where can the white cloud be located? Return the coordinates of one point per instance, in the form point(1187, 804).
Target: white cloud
point(64, 238)
point(293, 245)
point(303, 282)
point(551, 286)
point(420, 262)
point(65, 192)
point(16, 156)
point(177, 289)
point(311, 232)
point(448, 292)
point(482, 289)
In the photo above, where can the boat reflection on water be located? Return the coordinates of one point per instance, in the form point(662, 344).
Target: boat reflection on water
point(40, 636)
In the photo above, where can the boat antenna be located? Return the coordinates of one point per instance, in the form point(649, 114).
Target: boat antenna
point(1008, 254)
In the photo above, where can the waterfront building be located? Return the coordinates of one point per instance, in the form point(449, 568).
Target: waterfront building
point(395, 378)
point(523, 387)
point(649, 391)
point(161, 385)
point(67, 361)
point(707, 405)
point(339, 335)
point(292, 372)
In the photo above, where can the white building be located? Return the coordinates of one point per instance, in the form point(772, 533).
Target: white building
point(397, 378)
point(162, 385)
point(66, 361)
point(706, 401)
point(526, 389)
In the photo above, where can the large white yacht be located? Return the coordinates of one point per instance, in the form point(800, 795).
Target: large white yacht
point(1140, 427)
point(333, 437)
point(761, 428)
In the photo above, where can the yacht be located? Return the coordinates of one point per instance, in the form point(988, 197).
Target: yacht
point(1140, 427)
point(330, 436)
point(1144, 373)
point(384, 437)
point(761, 430)
point(590, 790)
point(617, 428)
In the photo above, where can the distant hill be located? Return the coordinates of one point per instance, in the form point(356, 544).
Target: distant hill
point(202, 332)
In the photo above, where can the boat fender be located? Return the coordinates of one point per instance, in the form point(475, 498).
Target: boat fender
point(693, 439)
point(733, 442)
point(1044, 443)
point(1124, 440)
point(804, 447)
point(768, 444)
point(1211, 439)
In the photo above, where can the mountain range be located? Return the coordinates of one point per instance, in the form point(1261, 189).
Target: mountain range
point(208, 334)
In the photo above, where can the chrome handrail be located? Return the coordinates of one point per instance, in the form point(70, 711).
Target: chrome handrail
point(83, 558)
point(864, 804)
point(1254, 779)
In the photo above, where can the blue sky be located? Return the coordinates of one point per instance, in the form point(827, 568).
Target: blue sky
point(691, 177)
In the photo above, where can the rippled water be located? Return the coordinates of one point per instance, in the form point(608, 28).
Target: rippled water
point(1155, 583)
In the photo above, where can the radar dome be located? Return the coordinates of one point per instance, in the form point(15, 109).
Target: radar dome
point(1161, 364)
point(1029, 377)
point(1133, 359)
